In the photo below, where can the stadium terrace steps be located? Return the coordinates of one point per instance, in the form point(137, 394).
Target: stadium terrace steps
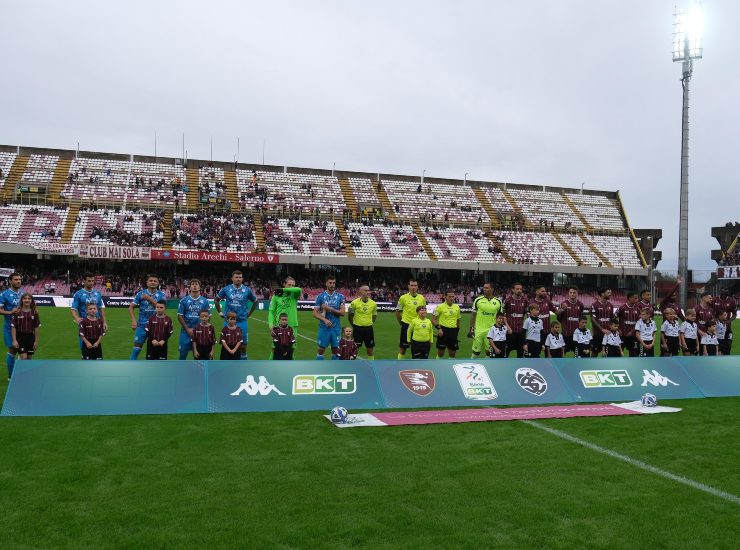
point(167, 229)
point(14, 176)
point(192, 179)
point(567, 248)
point(515, 207)
point(385, 202)
point(424, 243)
point(486, 204)
point(231, 191)
point(259, 232)
point(502, 249)
point(345, 237)
point(70, 223)
point(577, 212)
point(596, 251)
point(59, 179)
point(349, 199)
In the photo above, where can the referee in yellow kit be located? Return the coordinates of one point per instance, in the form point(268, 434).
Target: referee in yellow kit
point(447, 320)
point(362, 314)
point(420, 334)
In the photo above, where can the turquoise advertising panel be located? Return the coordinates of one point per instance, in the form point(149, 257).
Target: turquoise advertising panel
point(246, 386)
point(716, 376)
point(626, 379)
point(61, 388)
point(468, 382)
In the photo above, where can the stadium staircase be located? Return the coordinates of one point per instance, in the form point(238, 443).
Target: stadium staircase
point(259, 232)
point(604, 260)
point(349, 196)
point(423, 240)
point(192, 179)
point(61, 173)
point(231, 189)
point(385, 202)
point(14, 176)
point(345, 238)
point(498, 244)
point(486, 204)
point(167, 229)
point(70, 223)
point(577, 212)
point(567, 247)
point(516, 208)
point(623, 212)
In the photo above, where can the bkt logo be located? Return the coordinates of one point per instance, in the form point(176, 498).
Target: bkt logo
point(605, 378)
point(307, 384)
point(655, 379)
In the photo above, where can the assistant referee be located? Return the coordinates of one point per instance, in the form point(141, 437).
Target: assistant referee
point(447, 320)
point(362, 314)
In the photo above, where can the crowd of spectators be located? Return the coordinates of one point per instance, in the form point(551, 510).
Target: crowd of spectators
point(152, 222)
point(212, 232)
point(329, 236)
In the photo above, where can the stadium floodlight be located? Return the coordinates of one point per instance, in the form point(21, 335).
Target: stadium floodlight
point(687, 30)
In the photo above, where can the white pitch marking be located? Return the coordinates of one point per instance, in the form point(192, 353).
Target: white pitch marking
point(637, 463)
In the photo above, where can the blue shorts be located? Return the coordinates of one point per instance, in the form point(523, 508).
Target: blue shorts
point(185, 342)
point(8, 336)
point(140, 336)
point(328, 337)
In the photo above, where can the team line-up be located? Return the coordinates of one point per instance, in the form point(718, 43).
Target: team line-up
point(498, 327)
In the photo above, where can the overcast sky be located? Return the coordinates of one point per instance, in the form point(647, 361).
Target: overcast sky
point(547, 93)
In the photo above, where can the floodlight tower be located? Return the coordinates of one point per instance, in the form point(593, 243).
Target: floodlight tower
point(687, 26)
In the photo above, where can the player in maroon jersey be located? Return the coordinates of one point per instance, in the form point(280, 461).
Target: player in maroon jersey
point(232, 338)
point(727, 303)
point(628, 316)
point(602, 312)
point(671, 302)
point(570, 312)
point(204, 337)
point(645, 301)
point(92, 330)
point(704, 313)
point(158, 329)
point(24, 326)
point(347, 347)
point(543, 302)
point(515, 308)
point(283, 339)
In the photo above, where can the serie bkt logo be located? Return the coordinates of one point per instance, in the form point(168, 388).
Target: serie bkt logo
point(308, 384)
point(605, 378)
point(475, 382)
point(420, 382)
point(531, 381)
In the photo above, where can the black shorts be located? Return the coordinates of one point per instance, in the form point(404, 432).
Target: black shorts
point(534, 348)
point(226, 356)
point(156, 353)
point(725, 345)
point(91, 354)
point(647, 352)
point(364, 335)
point(403, 340)
point(204, 352)
point(613, 351)
point(558, 353)
point(630, 345)
point(448, 340)
point(420, 350)
point(597, 344)
point(582, 350)
point(282, 353)
point(673, 346)
point(711, 349)
point(25, 342)
point(501, 345)
point(693, 346)
point(568, 339)
point(515, 342)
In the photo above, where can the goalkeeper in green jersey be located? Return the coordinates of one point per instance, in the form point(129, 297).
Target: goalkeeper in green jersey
point(485, 309)
point(285, 300)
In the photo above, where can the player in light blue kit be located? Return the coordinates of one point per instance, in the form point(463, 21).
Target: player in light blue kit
point(188, 313)
point(10, 303)
point(328, 310)
point(146, 300)
point(87, 295)
point(241, 300)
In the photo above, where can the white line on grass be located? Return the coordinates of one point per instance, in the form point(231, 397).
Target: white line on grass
point(634, 462)
point(299, 334)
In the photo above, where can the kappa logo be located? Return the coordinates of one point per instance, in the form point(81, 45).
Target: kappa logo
point(252, 387)
point(655, 379)
point(420, 382)
point(475, 382)
point(531, 381)
point(605, 378)
point(308, 384)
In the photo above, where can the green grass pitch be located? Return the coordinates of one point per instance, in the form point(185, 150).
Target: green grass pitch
point(291, 480)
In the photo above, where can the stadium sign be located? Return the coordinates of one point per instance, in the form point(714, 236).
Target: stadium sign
point(605, 378)
point(475, 382)
point(531, 381)
point(420, 382)
point(209, 256)
point(113, 252)
point(310, 384)
point(728, 272)
point(57, 248)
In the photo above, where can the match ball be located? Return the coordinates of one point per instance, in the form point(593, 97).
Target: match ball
point(649, 400)
point(339, 415)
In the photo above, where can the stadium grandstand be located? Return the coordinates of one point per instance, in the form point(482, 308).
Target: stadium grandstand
point(114, 206)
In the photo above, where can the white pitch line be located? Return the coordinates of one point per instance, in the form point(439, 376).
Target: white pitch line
point(299, 334)
point(637, 463)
